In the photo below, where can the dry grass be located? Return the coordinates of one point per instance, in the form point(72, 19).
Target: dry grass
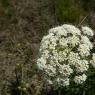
point(22, 25)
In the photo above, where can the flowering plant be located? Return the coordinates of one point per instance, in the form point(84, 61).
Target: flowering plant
point(66, 54)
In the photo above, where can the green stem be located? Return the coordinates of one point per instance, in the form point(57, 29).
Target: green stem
point(59, 92)
point(21, 75)
point(84, 92)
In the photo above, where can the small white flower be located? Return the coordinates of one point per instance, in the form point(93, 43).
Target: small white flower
point(63, 42)
point(84, 50)
point(65, 70)
point(53, 42)
point(72, 29)
point(41, 63)
point(85, 40)
point(93, 57)
point(87, 31)
point(50, 70)
point(63, 82)
point(82, 65)
point(50, 82)
point(73, 58)
point(44, 45)
point(80, 79)
point(45, 54)
point(74, 40)
point(93, 60)
point(58, 31)
point(55, 53)
point(62, 56)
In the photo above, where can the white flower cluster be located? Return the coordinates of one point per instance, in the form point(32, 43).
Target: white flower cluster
point(80, 79)
point(93, 60)
point(64, 53)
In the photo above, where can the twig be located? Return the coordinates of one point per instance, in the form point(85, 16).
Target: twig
point(83, 20)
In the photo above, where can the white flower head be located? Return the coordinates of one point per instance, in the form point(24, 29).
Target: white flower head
point(93, 57)
point(87, 31)
point(41, 63)
point(85, 40)
point(84, 50)
point(58, 31)
point(50, 70)
point(93, 60)
point(45, 54)
point(82, 66)
point(62, 56)
point(65, 53)
point(80, 79)
point(72, 29)
point(74, 40)
point(73, 58)
point(63, 82)
point(63, 42)
point(50, 82)
point(65, 70)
